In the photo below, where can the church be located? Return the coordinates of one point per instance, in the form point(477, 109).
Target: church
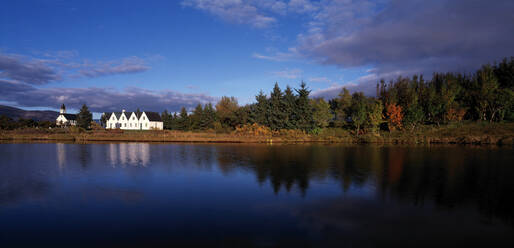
point(134, 120)
point(65, 119)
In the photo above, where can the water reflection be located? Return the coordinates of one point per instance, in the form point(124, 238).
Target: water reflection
point(134, 154)
point(264, 195)
point(61, 155)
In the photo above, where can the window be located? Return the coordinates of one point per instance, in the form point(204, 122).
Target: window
point(144, 118)
point(125, 124)
point(130, 124)
point(146, 125)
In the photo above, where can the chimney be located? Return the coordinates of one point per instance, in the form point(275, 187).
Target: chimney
point(123, 111)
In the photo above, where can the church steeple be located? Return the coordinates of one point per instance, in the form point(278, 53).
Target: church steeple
point(63, 109)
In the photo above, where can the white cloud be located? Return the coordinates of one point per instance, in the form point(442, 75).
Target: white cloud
point(289, 73)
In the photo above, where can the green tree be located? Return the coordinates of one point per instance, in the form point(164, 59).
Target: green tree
point(485, 88)
point(197, 118)
point(103, 119)
point(261, 109)
point(289, 109)
point(226, 111)
point(84, 117)
point(304, 109)
point(342, 107)
point(6, 123)
point(277, 116)
point(209, 116)
point(322, 114)
point(375, 116)
point(183, 121)
point(166, 119)
point(358, 111)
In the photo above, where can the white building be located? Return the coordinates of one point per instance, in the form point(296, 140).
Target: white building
point(65, 119)
point(134, 121)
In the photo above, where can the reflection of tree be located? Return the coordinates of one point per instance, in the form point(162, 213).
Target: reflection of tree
point(447, 176)
point(84, 154)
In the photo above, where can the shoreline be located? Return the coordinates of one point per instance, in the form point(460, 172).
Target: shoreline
point(474, 133)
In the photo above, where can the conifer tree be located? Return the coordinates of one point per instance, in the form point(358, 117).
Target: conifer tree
point(84, 117)
point(196, 118)
point(290, 109)
point(277, 116)
point(209, 116)
point(261, 109)
point(321, 114)
point(342, 107)
point(183, 122)
point(304, 108)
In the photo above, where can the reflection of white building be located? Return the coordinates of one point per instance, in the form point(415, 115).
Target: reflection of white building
point(65, 119)
point(134, 121)
point(61, 155)
point(129, 154)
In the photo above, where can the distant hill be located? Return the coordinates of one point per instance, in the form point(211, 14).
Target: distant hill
point(39, 115)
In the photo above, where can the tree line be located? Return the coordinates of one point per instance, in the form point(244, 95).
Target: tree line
point(401, 104)
point(84, 120)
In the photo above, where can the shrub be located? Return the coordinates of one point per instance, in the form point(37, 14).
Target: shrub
point(253, 129)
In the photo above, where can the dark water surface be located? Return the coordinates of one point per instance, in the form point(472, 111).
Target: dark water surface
point(147, 195)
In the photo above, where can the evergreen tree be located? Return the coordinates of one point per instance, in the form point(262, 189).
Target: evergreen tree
point(209, 116)
point(290, 109)
point(261, 109)
point(84, 117)
point(183, 121)
point(341, 107)
point(103, 120)
point(197, 117)
point(321, 112)
point(304, 108)
point(166, 119)
point(174, 122)
point(243, 115)
point(277, 117)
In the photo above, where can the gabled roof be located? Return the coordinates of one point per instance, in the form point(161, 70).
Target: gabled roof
point(70, 117)
point(128, 115)
point(117, 114)
point(153, 116)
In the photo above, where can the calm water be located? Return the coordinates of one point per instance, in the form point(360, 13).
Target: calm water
point(255, 195)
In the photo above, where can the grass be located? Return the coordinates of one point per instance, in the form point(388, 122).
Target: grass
point(455, 133)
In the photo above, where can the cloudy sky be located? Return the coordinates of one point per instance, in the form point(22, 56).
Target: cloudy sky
point(159, 55)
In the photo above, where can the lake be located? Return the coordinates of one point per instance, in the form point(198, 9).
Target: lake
point(251, 195)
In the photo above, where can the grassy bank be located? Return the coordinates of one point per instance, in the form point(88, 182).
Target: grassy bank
point(458, 133)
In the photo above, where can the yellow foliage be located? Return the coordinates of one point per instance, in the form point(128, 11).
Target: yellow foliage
point(253, 130)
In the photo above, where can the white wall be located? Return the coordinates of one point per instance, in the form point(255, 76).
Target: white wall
point(137, 124)
point(61, 119)
point(111, 123)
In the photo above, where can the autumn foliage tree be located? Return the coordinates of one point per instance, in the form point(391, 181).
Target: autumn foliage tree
point(394, 116)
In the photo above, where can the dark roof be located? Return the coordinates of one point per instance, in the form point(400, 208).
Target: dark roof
point(70, 117)
point(153, 116)
point(128, 114)
point(117, 114)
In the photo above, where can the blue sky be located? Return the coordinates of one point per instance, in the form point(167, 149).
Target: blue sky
point(160, 55)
